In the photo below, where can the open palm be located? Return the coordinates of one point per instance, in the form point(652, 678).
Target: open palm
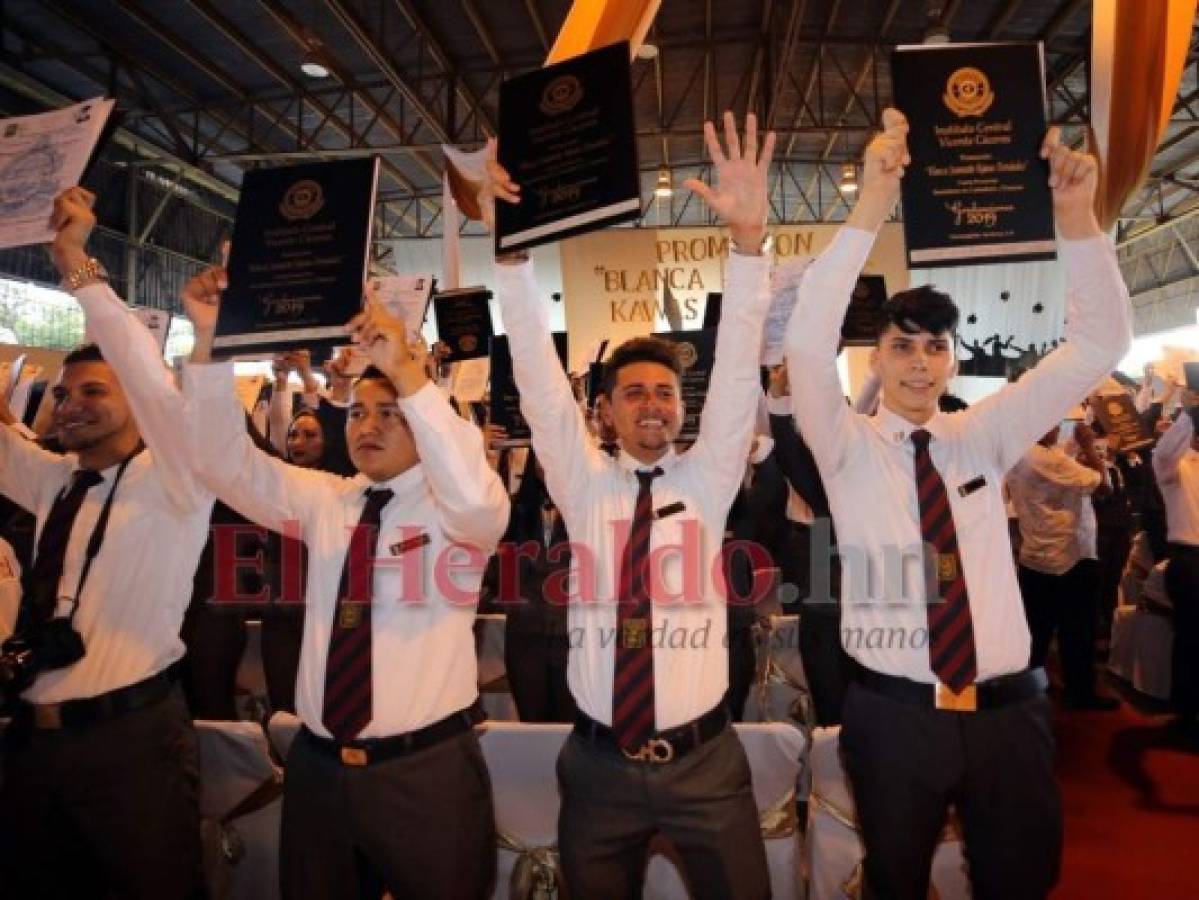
point(739, 196)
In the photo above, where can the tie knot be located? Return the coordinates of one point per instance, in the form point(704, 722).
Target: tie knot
point(377, 498)
point(647, 478)
point(920, 439)
point(86, 478)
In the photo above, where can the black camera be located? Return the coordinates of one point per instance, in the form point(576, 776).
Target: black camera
point(53, 645)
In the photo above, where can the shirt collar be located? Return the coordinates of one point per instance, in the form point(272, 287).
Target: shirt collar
point(630, 464)
point(400, 484)
point(898, 430)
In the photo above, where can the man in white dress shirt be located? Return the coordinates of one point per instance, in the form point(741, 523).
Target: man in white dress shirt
point(100, 772)
point(386, 784)
point(1176, 464)
point(944, 709)
point(652, 750)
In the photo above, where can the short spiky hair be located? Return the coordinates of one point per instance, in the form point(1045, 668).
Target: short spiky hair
point(83, 353)
point(920, 309)
point(640, 349)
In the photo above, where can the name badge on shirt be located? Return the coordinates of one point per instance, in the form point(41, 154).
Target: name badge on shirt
point(965, 490)
point(634, 633)
point(412, 543)
point(670, 509)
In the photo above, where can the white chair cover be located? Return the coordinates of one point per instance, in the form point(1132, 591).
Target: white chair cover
point(1142, 650)
point(234, 762)
point(282, 730)
point(833, 850)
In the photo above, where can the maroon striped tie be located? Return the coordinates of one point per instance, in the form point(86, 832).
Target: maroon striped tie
point(633, 681)
point(950, 629)
point(347, 705)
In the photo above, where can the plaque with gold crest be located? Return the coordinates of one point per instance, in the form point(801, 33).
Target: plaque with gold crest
point(298, 260)
point(977, 190)
point(464, 322)
point(567, 137)
point(697, 353)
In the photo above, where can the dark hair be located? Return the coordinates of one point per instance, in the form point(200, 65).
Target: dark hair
point(372, 373)
point(640, 349)
point(83, 353)
point(310, 413)
point(919, 309)
point(951, 403)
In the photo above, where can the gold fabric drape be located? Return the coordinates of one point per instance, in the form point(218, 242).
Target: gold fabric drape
point(1138, 52)
point(592, 24)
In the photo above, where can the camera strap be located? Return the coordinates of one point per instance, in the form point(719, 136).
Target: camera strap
point(97, 537)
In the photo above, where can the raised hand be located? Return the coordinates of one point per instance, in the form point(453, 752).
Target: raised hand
point(740, 196)
point(498, 183)
point(201, 298)
point(883, 165)
point(73, 220)
point(1073, 178)
point(384, 339)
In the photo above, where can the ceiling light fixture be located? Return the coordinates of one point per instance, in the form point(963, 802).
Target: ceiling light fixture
point(664, 187)
point(313, 67)
point(849, 178)
point(647, 51)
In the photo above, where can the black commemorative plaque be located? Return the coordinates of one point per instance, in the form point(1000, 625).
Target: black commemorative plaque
point(567, 137)
point(464, 322)
point(1117, 413)
point(977, 190)
point(301, 241)
point(860, 326)
point(697, 352)
point(505, 397)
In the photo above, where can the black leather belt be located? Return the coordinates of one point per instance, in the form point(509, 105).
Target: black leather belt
point(75, 714)
point(373, 750)
point(664, 746)
point(991, 694)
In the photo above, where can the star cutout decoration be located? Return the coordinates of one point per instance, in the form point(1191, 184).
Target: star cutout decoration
point(972, 319)
point(1038, 307)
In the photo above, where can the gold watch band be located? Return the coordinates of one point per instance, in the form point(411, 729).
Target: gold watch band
point(91, 271)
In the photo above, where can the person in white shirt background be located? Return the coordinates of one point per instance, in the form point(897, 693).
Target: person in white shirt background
point(1059, 565)
point(102, 746)
point(944, 708)
point(652, 750)
point(1176, 464)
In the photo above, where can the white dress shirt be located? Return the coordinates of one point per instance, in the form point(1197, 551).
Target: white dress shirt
point(595, 492)
point(868, 463)
point(1052, 494)
point(1176, 464)
point(140, 583)
point(425, 594)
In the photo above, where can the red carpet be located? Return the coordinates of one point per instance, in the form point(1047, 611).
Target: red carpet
point(1130, 791)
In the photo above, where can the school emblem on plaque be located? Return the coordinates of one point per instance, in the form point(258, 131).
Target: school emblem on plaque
point(688, 355)
point(303, 200)
point(561, 95)
point(349, 616)
point(634, 633)
point(968, 92)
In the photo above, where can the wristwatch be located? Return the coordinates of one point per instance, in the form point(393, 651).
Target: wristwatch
point(91, 271)
point(762, 250)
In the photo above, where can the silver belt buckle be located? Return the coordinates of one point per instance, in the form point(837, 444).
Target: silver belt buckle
point(655, 750)
point(47, 716)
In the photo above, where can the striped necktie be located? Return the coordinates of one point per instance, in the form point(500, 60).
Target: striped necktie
point(633, 681)
point(950, 628)
point(347, 706)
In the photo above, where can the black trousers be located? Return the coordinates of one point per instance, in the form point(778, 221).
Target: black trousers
point(1066, 604)
point(702, 803)
point(282, 636)
point(215, 637)
point(1182, 584)
point(1114, 544)
point(826, 665)
point(421, 825)
point(106, 811)
point(908, 764)
point(536, 667)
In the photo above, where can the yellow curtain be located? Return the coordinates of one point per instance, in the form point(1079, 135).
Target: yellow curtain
point(592, 24)
point(1138, 52)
